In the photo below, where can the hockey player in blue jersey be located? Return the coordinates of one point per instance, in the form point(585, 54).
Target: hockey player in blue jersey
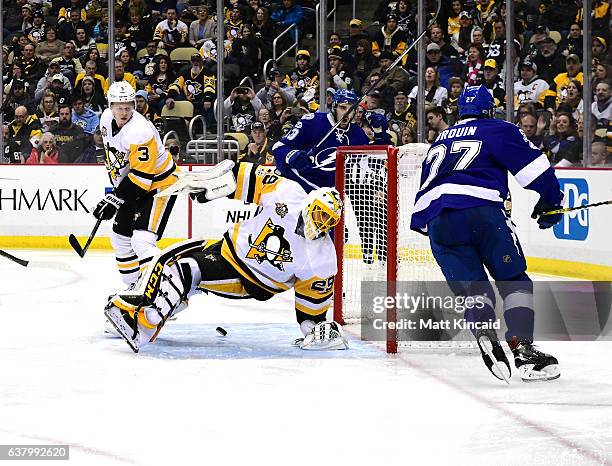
point(298, 155)
point(459, 205)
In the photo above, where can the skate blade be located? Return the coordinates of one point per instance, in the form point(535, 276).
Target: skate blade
point(499, 370)
point(550, 372)
point(122, 328)
point(110, 330)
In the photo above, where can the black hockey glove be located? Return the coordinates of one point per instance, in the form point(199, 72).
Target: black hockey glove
point(107, 207)
point(546, 221)
point(298, 159)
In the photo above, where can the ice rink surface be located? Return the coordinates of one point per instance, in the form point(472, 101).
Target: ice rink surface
point(197, 398)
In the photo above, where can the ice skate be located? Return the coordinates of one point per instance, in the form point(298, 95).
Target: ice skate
point(493, 355)
point(534, 365)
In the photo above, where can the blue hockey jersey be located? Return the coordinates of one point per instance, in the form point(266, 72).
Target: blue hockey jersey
point(304, 136)
point(468, 164)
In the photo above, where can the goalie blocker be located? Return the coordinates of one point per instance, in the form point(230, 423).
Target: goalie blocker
point(286, 245)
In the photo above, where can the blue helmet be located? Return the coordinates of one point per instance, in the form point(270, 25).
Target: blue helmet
point(343, 96)
point(476, 101)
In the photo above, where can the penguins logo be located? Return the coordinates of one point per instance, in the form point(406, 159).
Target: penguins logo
point(281, 209)
point(270, 245)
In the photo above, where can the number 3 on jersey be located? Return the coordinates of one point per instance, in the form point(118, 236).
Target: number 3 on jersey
point(467, 150)
point(144, 151)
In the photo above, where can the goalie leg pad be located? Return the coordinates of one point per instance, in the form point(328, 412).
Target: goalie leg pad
point(324, 336)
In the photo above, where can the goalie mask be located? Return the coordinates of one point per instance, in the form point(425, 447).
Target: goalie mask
point(321, 212)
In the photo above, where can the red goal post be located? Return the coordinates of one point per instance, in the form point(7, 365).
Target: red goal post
point(373, 240)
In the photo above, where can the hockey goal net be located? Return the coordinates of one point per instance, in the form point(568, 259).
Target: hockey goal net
point(377, 251)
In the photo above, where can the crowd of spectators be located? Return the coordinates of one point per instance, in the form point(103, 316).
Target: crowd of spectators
point(55, 70)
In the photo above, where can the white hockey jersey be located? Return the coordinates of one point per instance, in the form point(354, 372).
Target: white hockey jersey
point(136, 151)
point(534, 91)
point(267, 251)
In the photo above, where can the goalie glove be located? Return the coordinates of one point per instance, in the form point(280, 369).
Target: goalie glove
point(206, 185)
point(107, 207)
point(323, 336)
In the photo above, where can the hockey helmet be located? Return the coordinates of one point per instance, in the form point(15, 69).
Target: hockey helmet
point(121, 91)
point(476, 101)
point(321, 211)
point(342, 96)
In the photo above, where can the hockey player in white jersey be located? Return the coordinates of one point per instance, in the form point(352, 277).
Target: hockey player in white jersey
point(138, 166)
point(285, 245)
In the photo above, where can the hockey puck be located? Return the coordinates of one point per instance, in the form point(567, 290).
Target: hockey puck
point(222, 331)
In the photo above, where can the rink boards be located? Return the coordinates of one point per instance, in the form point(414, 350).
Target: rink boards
point(42, 205)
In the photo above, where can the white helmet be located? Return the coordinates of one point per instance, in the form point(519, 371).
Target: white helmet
point(121, 91)
point(321, 211)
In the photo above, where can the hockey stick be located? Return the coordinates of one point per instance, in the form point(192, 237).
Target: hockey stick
point(580, 207)
point(13, 258)
point(74, 242)
point(35, 264)
point(379, 83)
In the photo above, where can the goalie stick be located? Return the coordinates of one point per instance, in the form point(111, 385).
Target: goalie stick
point(74, 242)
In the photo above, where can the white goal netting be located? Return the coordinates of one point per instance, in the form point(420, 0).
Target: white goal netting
point(378, 253)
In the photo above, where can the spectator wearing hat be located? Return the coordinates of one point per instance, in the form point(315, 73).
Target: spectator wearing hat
point(558, 88)
point(83, 116)
point(197, 84)
point(142, 107)
point(494, 83)
point(389, 39)
point(171, 32)
point(17, 96)
point(23, 133)
point(573, 42)
point(259, 149)
point(530, 87)
point(303, 76)
point(404, 113)
point(91, 70)
point(474, 68)
point(92, 94)
point(44, 83)
point(27, 16)
point(355, 34)
point(273, 86)
point(36, 33)
point(466, 31)
point(599, 48)
point(57, 86)
point(549, 60)
point(124, 39)
point(70, 66)
point(94, 152)
point(445, 66)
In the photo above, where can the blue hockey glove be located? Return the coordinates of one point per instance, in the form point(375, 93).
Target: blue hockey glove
point(107, 207)
point(546, 221)
point(377, 122)
point(298, 159)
